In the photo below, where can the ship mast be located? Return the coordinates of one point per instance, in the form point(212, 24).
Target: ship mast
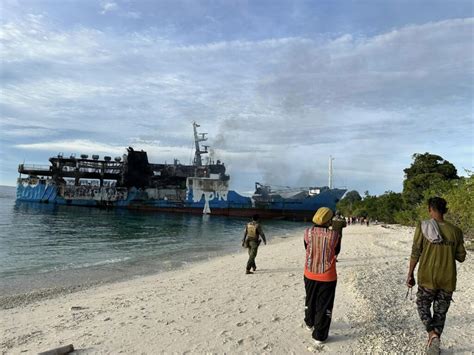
point(199, 137)
point(330, 171)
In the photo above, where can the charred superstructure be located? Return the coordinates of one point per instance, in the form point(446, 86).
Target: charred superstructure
point(131, 181)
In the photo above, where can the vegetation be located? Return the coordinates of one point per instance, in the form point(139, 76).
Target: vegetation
point(381, 208)
point(429, 175)
point(426, 171)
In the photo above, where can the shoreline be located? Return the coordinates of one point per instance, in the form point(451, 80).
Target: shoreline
point(67, 286)
point(211, 306)
point(47, 255)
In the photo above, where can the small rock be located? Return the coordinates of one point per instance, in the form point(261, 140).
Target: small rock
point(107, 319)
point(77, 308)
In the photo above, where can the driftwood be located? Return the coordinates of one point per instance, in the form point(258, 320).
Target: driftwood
point(59, 351)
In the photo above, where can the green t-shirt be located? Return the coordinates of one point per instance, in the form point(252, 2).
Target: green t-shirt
point(437, 262)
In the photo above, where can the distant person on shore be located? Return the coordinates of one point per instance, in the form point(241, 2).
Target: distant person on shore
point(322, 244)
point(437, 244)
point(251, 241)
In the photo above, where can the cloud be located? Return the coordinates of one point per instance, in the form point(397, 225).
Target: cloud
point(156, 151)
point(108, 6)
point(136, 15)
point(72, 146)
point(265, 103)
point(27, 132)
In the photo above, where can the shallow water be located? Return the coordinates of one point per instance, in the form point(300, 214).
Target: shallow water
point(44, 245)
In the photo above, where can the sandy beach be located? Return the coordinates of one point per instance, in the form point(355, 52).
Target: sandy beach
point(212, 307)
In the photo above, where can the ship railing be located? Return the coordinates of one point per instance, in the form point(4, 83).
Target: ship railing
point(93, 192)
point(34, 167)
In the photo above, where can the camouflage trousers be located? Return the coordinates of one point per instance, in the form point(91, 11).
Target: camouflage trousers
point(253, 249)
point(440, 300)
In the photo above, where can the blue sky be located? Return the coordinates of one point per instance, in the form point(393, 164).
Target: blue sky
point(278, 85)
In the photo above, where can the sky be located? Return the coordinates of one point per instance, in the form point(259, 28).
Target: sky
point(279, 86)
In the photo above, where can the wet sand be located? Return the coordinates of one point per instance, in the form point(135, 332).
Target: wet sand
point(212, 306)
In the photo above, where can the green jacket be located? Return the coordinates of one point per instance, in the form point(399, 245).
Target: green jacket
point(437, 262)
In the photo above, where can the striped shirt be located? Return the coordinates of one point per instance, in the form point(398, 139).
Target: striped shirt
point(321, 244)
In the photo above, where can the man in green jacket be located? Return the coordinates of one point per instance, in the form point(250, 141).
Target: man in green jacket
point(437, 245)
point(251, 240)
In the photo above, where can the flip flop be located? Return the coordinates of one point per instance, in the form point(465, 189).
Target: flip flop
point(432, 347)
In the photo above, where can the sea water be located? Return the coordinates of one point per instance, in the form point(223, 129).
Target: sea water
point(48, 246)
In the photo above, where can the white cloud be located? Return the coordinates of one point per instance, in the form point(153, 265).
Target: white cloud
point(157, 153)
point(72, 146)
point(32, 40)
point(280, 97)
point(108, 6)
point(27, 132)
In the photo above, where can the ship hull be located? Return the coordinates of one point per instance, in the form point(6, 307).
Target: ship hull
point(229, 203)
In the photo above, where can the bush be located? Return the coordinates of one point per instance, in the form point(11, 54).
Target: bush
point(406, 217)
point(459, 195)
point(460, 200)
point(428, 176)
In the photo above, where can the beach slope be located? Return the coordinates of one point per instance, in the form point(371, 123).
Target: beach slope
point(214, 307)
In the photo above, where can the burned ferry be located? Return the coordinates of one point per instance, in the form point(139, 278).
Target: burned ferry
point(132, 182)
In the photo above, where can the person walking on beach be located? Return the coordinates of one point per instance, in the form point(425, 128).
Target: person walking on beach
point(338, 223)
point(437, 244)
point(322, 244)
point(251, 241)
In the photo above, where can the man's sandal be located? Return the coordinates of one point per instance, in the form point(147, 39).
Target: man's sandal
point(432, 347)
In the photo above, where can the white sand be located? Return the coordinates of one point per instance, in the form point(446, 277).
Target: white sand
point(212, 307)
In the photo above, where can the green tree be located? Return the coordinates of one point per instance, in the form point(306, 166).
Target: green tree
point(388, 205)
point(431, 163)
point(352, 196)
point(460, 200)
point(427, 170)
point(459, 195)
point(369, 206)
point(347, 204)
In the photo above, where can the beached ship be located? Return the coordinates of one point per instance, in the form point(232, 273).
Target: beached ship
point(132, 182)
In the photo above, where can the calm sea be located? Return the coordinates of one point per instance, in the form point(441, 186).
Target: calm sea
point(47, 246)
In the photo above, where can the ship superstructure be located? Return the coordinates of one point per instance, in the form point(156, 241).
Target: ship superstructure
point(131, 181)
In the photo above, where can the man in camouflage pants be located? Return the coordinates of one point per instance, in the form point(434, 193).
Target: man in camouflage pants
point(437, 245)
point(251, 240)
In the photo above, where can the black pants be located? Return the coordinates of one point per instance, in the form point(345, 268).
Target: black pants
point(319, 303)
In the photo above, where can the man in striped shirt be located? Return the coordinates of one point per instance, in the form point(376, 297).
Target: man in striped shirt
point(322, 244)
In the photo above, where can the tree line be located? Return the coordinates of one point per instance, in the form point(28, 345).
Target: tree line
point(429, 175)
